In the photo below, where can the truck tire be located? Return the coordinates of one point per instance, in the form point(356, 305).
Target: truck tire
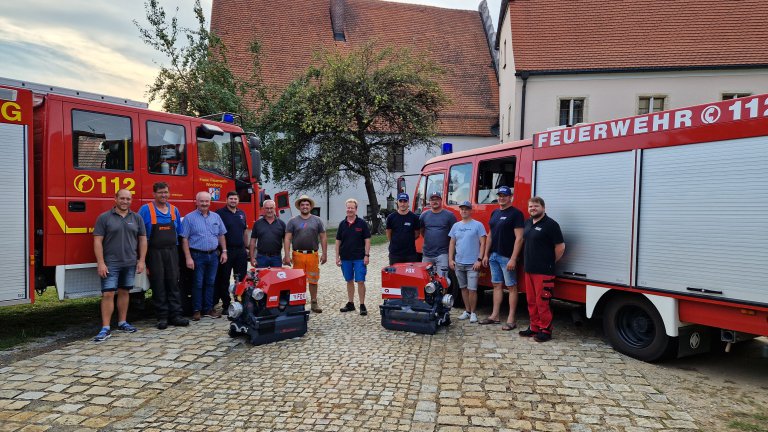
point(635, 328)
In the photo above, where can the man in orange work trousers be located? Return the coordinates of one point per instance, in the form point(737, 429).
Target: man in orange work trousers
point(305, 233)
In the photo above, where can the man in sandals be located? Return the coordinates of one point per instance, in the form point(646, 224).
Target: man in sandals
point(305, 233)
point(505, 242)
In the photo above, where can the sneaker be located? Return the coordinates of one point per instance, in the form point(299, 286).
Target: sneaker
point(473, 317)
point(162, 324)
point(348, 308)
point(527, 332)
point(196, 316)
point(179, 322)
point(464, 315)
point(212, 314)
point(315, 307)
point(542, 337)
point(127, 328)
point(103, 335)
point(363, 310)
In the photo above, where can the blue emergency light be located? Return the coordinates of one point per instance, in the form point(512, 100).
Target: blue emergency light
point(447, 148)
point(227, 118)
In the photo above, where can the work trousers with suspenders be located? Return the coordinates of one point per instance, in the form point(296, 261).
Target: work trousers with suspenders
point(163, 265)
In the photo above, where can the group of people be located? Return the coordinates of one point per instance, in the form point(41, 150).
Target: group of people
point(464, 247)
point(215, 244)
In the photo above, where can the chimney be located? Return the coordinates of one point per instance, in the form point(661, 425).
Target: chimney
point(337, 19)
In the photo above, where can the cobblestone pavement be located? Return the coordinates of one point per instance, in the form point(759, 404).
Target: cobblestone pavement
point(348, 373)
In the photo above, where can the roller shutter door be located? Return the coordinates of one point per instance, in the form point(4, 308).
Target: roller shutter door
point(591, 198)
point(704, 219)
point(13, 214)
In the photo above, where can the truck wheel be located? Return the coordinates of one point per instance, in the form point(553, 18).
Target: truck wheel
point(634, 327)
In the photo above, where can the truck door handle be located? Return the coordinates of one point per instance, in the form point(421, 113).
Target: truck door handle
point(703, 290)
point(582, 275)
point(76, 206)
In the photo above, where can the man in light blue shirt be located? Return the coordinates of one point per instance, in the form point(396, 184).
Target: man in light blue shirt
point(465, 256)
point(202, 233)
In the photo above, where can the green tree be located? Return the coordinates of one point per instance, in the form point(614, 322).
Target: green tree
point(197, 80)
point(341, 120)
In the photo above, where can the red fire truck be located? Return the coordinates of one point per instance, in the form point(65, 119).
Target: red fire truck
point(65, 155)
point(665, 218)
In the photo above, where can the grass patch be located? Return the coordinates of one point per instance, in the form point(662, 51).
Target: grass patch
point(24, 323)
point(750, 423)
point(379, 239)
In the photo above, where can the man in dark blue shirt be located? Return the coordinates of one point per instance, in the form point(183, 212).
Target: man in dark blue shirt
point(402, 232)
point(353, 246)
point(237, 244)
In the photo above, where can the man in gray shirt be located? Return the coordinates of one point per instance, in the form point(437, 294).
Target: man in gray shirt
point(305, 233)
point(435, 226)
point(120, 246)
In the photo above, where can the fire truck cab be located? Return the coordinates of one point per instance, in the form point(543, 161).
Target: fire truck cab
point(68, 152)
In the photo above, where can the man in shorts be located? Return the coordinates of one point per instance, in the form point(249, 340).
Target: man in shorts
point(304, 233)
point(120, 246)
point(353, 246)
point(465, 256)
point(505, 243)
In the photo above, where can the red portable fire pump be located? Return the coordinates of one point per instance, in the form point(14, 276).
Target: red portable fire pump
point(415, 298)
point(268, 305)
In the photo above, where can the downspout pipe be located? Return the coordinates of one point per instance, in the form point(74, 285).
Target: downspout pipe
point(524, 76)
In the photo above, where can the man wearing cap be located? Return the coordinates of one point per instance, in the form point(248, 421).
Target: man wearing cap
point(465, 256)
point(505, 242)
point(402, 232)
point(435, 226)
point(544, 246)
point(237, 250)
point(304, 233)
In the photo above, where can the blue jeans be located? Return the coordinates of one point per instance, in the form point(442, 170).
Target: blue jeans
point(118, 277)
point(205, 275)
point(499, 272)
point(263, 261)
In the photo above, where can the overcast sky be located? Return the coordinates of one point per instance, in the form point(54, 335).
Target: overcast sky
point(93, 45)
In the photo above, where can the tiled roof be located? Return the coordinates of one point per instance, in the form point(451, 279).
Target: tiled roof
point(553, 35)
point(291, 31)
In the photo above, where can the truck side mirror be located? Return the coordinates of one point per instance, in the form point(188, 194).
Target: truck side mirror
point(255, 144)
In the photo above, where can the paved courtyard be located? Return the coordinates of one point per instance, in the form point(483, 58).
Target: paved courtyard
point(348, 373)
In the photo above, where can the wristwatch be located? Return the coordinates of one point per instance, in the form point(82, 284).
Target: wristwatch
point(367, 255)
point(480, 260)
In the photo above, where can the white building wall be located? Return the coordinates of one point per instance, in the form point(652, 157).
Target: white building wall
point(616, 95)
point(414, 161)
point(508, 94)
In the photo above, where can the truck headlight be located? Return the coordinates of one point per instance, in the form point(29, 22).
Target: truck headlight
point(257, 294)
point(430, 288)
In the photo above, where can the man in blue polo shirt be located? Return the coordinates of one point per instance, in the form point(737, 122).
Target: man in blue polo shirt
point(353, 246)
point(202, 233)
point(237, 249)
point(402, 232)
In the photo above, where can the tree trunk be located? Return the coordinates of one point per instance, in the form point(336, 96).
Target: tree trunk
point(373, 201)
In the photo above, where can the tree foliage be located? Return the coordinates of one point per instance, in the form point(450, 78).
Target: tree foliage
point(197, 80)
point(341, 120)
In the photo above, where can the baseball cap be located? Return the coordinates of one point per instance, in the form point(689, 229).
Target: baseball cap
point(402, 197)
point(466, 204)
point(435, 194)
point(504, 190)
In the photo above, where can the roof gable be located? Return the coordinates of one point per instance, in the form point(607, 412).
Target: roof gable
point(290, 35)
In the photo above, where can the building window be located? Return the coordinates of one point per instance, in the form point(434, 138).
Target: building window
point(102, 141)
point(396, 158)
point(505, 54)
point(502, 128)
point(509, 120)
point(571, 111)
point(727, 96)
point(650, 104)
